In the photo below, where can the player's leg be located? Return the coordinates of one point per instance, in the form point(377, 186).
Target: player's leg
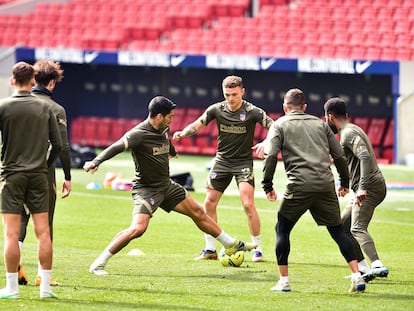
point(23, 278)
point(11, 227)
point(51, 178)
point(346, 223)
point(361, 217)
point(205, 223)
point(246, 190)
point(218, 180)
point(210, 203)
point(137, 228)
point(44, 252)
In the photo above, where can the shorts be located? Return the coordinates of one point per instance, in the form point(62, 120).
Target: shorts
point(148, 199)
point(323, 206)
point(22, 187)
point(220, 176)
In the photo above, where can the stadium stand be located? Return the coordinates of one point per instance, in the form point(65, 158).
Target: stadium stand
point(359, 30)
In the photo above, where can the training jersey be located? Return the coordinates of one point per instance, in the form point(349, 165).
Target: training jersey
point(150, 150)
point(359, 153)
point(60, 115)
point(306, 143)
point(235, 130)
point(27, 124)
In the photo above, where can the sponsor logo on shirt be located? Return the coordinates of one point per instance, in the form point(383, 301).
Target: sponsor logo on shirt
point(165, 148)
point(233, 129)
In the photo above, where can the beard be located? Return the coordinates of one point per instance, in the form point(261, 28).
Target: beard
point(333, 127)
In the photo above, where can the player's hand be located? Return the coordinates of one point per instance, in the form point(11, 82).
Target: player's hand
point(177, 136)
point(272, 195)
point(66, 188)
point(361, 195)
point(259, 148)
point(90, 166)
point(342, 191)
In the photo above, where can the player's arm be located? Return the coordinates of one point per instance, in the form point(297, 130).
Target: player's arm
point(119, 146)
point(54, 139)
point(189, 130)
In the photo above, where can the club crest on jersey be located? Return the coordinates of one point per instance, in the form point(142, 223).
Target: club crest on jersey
point(242, 116)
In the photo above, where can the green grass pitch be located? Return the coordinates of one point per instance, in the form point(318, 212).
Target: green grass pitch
point(167, 278)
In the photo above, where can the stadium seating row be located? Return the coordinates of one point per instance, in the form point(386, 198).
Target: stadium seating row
point(101, 132)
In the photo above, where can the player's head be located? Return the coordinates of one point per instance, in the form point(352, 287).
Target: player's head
point(47, 71)
point(22, 74)
point(294, 99)
point(233, 91)
point(160, 105)
point(335, 112)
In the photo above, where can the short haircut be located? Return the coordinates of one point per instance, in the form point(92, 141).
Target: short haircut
point(336, 106)
point(47, 70)
point(232, 81)
point(160, 104)
point(294, 97)
point(22, 73)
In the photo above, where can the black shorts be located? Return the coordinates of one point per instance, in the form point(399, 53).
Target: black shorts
point(323, 206)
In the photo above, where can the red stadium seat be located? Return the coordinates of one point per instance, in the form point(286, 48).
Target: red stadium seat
point(376, 130)
point(362, 122)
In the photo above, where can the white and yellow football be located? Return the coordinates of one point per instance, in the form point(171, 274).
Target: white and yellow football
point(234, 260)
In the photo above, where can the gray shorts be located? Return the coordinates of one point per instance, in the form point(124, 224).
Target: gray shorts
point(220, 176)
point(323, 206)
point(148, 199)
point(29, 188)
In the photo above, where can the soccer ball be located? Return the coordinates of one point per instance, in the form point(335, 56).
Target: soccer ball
point(234, 260)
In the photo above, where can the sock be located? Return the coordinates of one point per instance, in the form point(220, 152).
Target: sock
point(256, 240)
point(210, 242)
point(45, 280)
point(104, 256)
point(355, 276)
point(225, 239)
point(363, 266)
point(376, 264)
point(12, 282)
point(20, 247)
point(284, 279)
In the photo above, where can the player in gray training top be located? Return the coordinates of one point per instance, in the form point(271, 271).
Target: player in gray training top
point(149, 143)
point(306, 143)
point(367, 182)
point(236, 120)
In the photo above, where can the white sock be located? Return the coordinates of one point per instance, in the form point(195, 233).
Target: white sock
point(363, 266)
point(104, 256)
point(210, 242)
point(45, 280)
point(12, 282)
point(256, 240)
point(20, 247)
point(284, 279)
point(225, 239)
point(376, 264)
point(355, 276)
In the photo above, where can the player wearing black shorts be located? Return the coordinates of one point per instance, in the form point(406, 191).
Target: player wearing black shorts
point(306, 143)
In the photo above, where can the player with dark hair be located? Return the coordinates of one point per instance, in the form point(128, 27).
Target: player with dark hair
point(28, 126)
point(47, 74)
point(367, 183)
point(151, 148)
point(236, 120)
point(306, 143)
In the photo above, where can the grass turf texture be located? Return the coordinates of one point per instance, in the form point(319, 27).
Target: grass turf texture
point(167, 277)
